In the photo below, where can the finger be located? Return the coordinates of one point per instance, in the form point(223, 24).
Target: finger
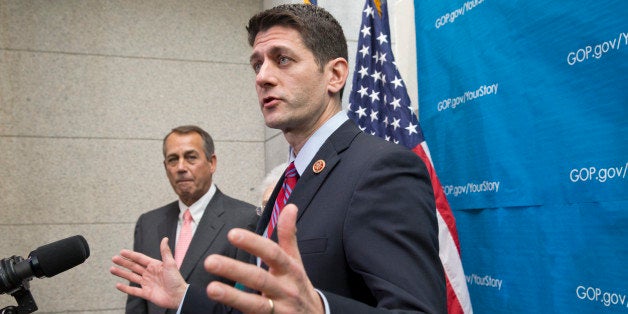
point(134, 291)
point(235, 298)
point(247, 274)
point(128, 264)
point(139, 258)
point(166, 253)
point(264, 248)
point(287, 231)
point(125, 274)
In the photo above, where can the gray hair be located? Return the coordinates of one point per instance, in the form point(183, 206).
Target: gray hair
point(272, 178)
point(208, 143)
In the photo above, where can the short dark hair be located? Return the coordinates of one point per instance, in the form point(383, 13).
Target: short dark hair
point(208, 143)
point(319, 30)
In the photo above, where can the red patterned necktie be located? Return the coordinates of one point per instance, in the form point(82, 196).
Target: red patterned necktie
point(291, 177)
point(185, 237)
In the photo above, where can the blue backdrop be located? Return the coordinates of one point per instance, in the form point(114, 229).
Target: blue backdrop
point(524, 107)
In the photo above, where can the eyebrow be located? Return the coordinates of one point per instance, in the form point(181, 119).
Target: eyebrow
point(254, 56)
point(187, 152)
point(273, 51)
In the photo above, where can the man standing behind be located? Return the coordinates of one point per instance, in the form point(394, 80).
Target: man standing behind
point(199, 220)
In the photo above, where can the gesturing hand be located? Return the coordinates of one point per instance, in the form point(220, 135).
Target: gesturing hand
point(160, 281)
point(285, 283)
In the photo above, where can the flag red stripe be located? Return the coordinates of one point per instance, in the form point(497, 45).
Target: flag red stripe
point(441, 201)
point(453, 304)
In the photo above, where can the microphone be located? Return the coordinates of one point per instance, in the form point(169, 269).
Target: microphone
point(45, 261)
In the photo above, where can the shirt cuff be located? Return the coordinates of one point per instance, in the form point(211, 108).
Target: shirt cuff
point(327, 311)
point(181, 304)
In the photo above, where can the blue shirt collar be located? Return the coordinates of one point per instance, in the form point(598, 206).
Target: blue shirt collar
point(314, 143)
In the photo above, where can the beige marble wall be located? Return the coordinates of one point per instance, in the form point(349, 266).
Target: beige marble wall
point(88, 89)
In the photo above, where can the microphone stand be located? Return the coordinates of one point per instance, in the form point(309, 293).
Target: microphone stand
point(25, 302)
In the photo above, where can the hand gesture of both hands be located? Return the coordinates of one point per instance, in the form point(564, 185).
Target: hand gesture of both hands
point(284, 288)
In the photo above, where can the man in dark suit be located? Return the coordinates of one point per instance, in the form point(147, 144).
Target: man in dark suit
point(364, 237)
point(190, 162)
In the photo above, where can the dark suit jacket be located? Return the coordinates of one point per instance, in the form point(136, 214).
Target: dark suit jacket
point(221, 215)
point(367, 228)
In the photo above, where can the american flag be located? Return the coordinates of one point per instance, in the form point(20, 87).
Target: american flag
point(380, 105)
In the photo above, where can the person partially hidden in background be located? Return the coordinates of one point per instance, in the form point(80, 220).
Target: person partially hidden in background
point(268, 185)
point(197, 223)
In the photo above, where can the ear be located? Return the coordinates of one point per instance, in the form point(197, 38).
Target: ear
point(338, 70)
point(212, 163)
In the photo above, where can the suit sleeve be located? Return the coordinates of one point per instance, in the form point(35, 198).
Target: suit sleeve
point(135, 304)
point(391, 238)
point(196, 301)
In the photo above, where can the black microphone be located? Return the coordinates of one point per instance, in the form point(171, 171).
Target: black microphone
point(45, 261)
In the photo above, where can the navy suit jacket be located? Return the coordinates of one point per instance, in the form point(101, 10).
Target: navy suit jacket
point(221, 215)
point(367, 228)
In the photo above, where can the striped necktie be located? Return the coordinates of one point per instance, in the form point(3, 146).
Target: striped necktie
point(291, 176)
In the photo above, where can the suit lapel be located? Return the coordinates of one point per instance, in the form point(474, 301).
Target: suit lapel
point(310, 182)
point(330, 152)
point(205, 235)
point(168, 227)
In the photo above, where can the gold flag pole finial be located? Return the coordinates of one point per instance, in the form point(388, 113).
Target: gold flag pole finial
point(378, 5)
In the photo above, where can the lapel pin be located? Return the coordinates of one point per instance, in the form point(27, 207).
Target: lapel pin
point(318, 166)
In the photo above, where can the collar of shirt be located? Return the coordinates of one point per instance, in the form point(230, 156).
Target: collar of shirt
point(197, 209)
point(315, 141)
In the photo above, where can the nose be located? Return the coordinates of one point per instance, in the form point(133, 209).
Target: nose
point(266, 75)
point(181, 167)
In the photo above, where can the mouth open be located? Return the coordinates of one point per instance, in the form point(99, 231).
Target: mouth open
point(269, 101)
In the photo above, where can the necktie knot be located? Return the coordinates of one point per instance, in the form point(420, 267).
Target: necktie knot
point(291, 171)
point(187, 216)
